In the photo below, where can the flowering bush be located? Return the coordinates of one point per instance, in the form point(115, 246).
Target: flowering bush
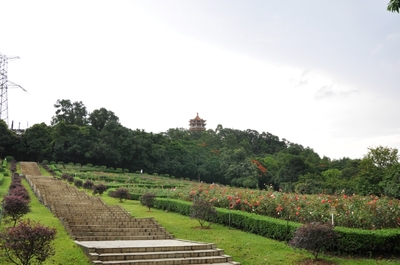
point(366, 212)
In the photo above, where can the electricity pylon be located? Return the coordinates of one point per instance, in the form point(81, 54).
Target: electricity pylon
point(4, 85)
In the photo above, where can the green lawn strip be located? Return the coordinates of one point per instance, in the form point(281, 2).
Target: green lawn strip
point(247, 248)
point(67, 252)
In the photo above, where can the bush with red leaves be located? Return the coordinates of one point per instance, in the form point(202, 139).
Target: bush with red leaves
point(314, 237)
point(27, 243)
point(15, 207)
point(121, 194)
point(99, 189)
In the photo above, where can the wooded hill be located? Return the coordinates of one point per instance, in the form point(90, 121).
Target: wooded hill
point(224, 155)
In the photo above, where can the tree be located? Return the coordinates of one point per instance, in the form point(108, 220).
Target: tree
point(100, 117)
point(148, 200)
point(203, 211)
point(314, 237)
point(37, 139)
point(15, 207)
point(383, 157)
point(99, 189)
point(121, 194)
point(376, 164)
point(7, 139)
point(394, 6)
point(88, 185)
point(70, 113)
point(27, 243)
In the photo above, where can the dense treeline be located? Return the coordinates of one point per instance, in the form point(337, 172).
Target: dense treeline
point(227, 156)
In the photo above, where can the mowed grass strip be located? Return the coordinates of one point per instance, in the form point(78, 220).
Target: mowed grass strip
point(246, 248)
point(67, 252)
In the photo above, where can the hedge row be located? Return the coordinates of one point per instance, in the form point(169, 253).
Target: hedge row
point(351, 241)
point(1, 179)
point(4, 163)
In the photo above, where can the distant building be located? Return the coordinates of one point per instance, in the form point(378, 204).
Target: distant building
point(197, 124)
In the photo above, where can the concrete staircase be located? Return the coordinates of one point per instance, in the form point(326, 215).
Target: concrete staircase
point(110, 235)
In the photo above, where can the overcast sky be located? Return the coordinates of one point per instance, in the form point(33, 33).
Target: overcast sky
point(323, 74)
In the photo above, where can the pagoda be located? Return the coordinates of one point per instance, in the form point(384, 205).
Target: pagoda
point(197, 124)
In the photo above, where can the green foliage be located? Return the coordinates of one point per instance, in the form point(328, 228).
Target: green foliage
point(394, 6)
point(314, 237)
point(70, 113)
point(1, 178)
point(27, 243)
point(9, 158)
point(45, 162)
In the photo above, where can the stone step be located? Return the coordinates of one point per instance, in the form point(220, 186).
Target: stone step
point(116, 233)
point(102, 228)
point(111, 223)
point(158, 255)
point(144, 246)
point(112, 237)
point(170, 261)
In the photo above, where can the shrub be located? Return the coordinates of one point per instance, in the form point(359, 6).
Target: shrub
point(10, 158)
point(78, 183)
point(99, 189)
point(89, 165)
point(27, 243)
point(88, 185)
point(70, 179)
point(2, 169)
point(148, 200)
point(21, 192)
point(121, 194)
point(126, 170)
point(15, 207)
point(203, 211)
point(314, 237)
point(13, 166)
point(52, 162)
point(45, 162)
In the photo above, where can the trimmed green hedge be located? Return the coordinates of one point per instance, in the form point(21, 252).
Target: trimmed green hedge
point(351, 241)
point(1, 179)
